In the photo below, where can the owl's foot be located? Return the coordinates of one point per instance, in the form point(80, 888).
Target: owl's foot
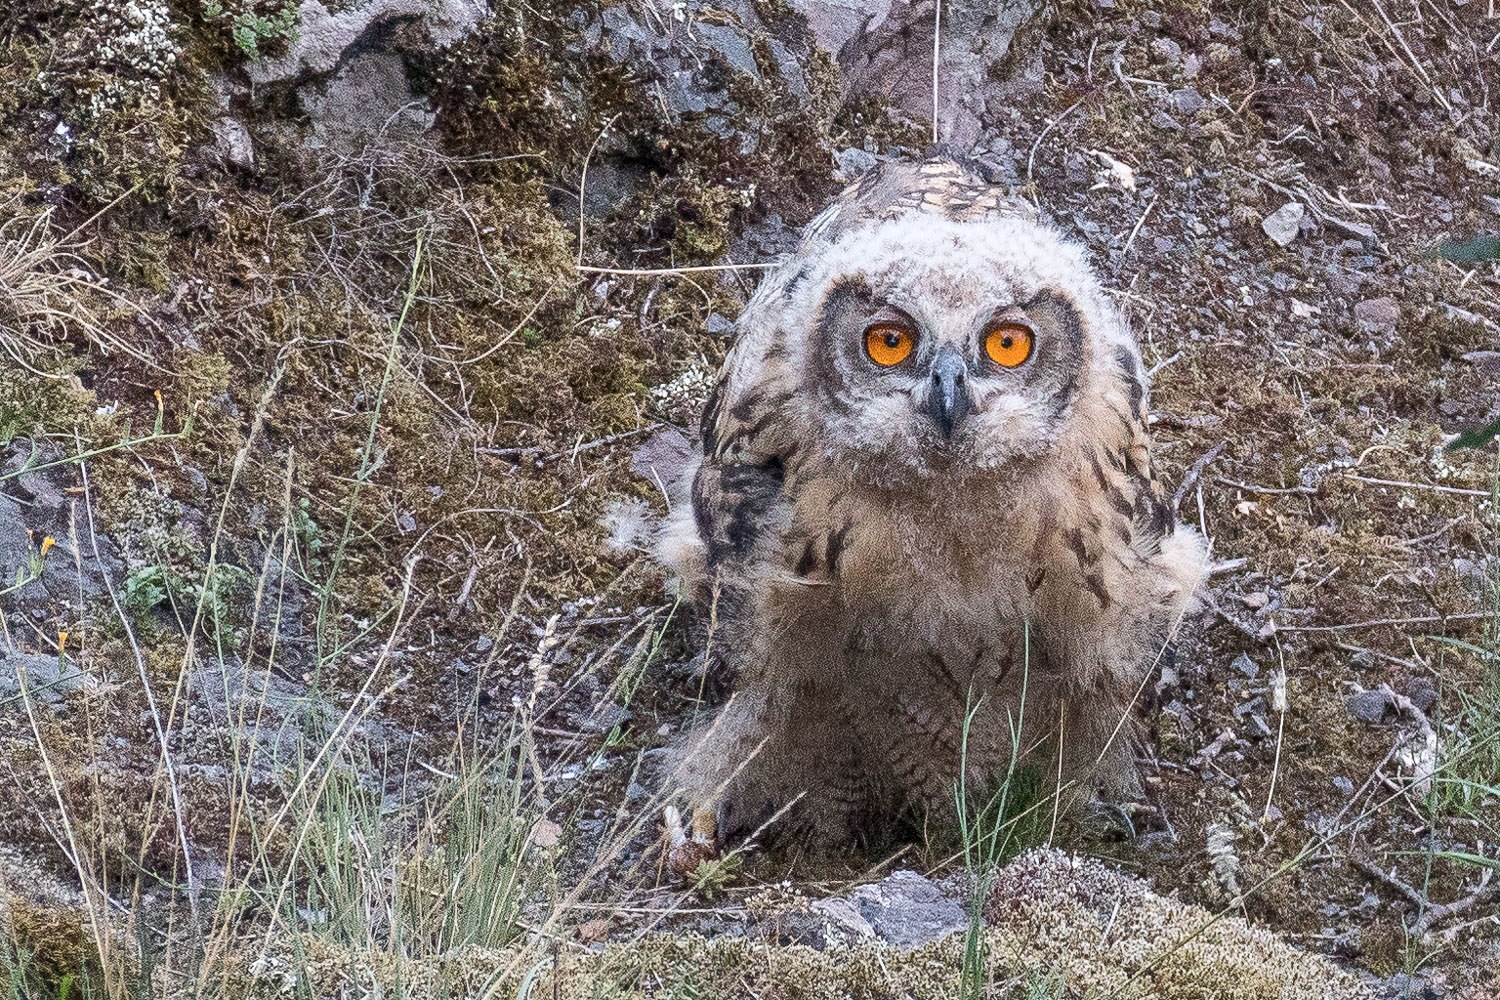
point(686, 846)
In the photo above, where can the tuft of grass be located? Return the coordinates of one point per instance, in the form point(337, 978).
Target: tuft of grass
point(48, 293)
point(993, 830)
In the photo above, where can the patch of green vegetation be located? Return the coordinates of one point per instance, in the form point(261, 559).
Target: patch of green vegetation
point(125, 97)
point(713, 875)
point(45, 954)
point(994, 829)
point(256, 27)
point(32, 406)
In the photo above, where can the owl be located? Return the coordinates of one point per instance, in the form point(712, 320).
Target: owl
point(923, 523)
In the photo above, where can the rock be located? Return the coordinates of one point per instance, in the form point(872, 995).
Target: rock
point(854, 163)
point(788, 68)
point(662, 457)
point(1485, 361)
point(1162, 120)
point(1246, 666)
point(611, 183)
point(692, 60)
point(732, 46)
point(1367, 706)
point(48, 678)
point(323, 37)
point(1285, 223)
point(765, 240)
point(908, 910)
point(602, 718)
point(1469, 318)
point(705, 59)
point(1377, 317)
point(1422, 694)
point(884, 49)
point(842, 924)
point(1403, 986)
point(368, 100)
point(272, 720)
point(1365, 235)
point(353, 79)
point(719, 325)
point(1188, 101)
point(1167, 50)
point(232, 143)
point(33, 508)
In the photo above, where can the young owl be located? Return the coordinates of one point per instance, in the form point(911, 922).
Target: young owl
point(924, 522)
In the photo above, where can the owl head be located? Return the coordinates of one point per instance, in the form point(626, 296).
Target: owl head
point(939, 345)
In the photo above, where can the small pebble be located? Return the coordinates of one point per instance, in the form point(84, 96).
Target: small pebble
point(1367, 707)
point(1285, 223)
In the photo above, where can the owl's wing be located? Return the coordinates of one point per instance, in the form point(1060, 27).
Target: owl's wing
point(748, 441)
point(941, 186)
point(1150, 511)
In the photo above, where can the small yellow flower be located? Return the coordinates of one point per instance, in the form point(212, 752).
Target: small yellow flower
point(47, 543)
point(62, 641)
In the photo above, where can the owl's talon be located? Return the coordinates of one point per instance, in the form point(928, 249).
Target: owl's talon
point(686, 846)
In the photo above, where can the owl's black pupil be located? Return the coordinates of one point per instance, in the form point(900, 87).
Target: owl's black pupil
point(893, 340)
point(1007, 343)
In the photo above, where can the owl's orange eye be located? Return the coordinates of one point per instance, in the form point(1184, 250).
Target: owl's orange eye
point(1008, 344)
point(888, 344)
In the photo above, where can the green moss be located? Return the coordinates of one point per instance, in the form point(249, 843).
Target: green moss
point(127, 100)
point(35, 407)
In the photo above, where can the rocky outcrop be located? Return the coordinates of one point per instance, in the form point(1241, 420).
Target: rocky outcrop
point(885, 49)
point(353, 80)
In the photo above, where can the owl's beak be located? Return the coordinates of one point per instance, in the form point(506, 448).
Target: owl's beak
point(948, 393)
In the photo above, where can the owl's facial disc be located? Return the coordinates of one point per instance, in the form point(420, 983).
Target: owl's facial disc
point(913, 373)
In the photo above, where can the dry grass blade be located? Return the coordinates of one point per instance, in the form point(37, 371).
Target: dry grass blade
point(46, 292)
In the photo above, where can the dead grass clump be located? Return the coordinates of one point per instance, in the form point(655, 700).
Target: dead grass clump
point(48, 295)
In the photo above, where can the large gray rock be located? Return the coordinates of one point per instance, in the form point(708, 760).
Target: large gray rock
point(885, 49)
point(368, 99)
point(271, 726)
point(324, 36)
point(34, 507)
point(353, 81)
point(908, 910)
point(702, 59)
point(41, 678)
